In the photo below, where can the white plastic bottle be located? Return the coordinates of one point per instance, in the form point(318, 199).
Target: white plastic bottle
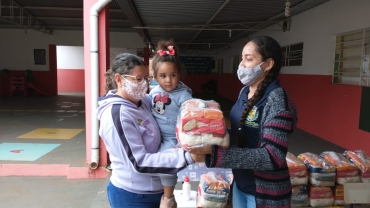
point(186, 188)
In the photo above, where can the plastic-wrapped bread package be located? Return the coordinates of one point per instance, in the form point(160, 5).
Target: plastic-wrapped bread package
point(362, 161)
point(201, 123)
point(346, 172)
point(320, 196)
point(297, 170)
point(320, 171)
point(338, 192)
point(300, 196)
point(213, 191)
point(229, 178)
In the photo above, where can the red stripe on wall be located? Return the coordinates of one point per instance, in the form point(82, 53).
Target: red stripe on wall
point(329, 111)
point(71, 80)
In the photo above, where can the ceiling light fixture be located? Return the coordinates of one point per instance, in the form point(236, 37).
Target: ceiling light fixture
point(287, 22)
point(287, 8)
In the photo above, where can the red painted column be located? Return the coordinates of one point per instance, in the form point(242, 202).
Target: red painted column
point(146, 55)
point(103, 63)
point(53, 76)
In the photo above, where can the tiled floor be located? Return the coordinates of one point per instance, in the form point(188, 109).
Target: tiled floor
point(43, 130)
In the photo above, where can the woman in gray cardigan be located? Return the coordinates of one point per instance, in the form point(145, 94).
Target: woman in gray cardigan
point(262, 120)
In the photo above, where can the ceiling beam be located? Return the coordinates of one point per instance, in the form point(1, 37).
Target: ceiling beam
point(26, 19)
point(210, 19)
point(58, 8)
point(279, 15)
point(65, 18)
point(194, 28)
point(129, 10)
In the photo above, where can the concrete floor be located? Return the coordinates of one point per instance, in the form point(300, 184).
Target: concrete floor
point(20, 115)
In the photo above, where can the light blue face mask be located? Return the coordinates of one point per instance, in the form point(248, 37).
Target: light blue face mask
point(249, 76)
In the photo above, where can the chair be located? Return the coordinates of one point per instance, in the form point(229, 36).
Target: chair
point(4, 81)
point(28, 78)
point(18, 83)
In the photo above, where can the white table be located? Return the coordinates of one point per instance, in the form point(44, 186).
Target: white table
point(182, 203)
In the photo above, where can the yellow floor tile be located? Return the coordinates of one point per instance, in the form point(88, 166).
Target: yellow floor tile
point(50, 133)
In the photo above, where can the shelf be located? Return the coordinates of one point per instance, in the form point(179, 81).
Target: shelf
point(351, 58)
point(351, 46)
point(349, 41)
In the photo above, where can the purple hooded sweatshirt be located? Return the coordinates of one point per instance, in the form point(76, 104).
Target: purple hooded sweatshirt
point(132, 138)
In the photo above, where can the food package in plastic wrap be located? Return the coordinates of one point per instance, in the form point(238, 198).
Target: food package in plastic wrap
point(320, 171)
point(362, 161)
point(338, 192)
point(320, 196)
point(213, 191)
point(201, 123)
point(300, 196)
point(346, 172)
point(229, 177)
point(297, 170)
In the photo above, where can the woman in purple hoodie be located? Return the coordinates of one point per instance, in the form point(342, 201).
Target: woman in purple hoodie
point(132, 137)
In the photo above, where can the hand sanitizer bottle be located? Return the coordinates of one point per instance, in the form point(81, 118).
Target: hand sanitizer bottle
point(186, 188)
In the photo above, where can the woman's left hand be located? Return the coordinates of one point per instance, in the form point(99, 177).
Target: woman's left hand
point(203, 150)
point(198, 158)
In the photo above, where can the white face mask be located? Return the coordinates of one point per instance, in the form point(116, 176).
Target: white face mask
point(135, 90)
point(249, 76)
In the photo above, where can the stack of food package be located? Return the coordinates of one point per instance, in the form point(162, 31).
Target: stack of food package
point(201, 123)
point(213, 191)
point(321, 196)
point(346, 172)
point(338, 192)
point(362, 161)
point(321, 176)
point(300, 196)
point(298, 178)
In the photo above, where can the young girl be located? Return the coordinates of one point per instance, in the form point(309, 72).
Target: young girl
point(167, 98)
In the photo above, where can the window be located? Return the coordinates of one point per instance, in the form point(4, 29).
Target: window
point(235, 64)
point(352, 54)
point(39, 56)
point(220, 66)
point(292, 54)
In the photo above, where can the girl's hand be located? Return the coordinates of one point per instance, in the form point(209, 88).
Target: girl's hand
point(203, 150)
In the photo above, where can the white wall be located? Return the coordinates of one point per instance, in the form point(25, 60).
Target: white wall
point(317, 29)
point(16, 46)
point(70, 57)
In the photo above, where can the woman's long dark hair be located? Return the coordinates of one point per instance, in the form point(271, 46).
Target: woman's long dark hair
point(268, 48)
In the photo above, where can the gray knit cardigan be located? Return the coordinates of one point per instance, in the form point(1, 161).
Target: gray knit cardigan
point(268, 160)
